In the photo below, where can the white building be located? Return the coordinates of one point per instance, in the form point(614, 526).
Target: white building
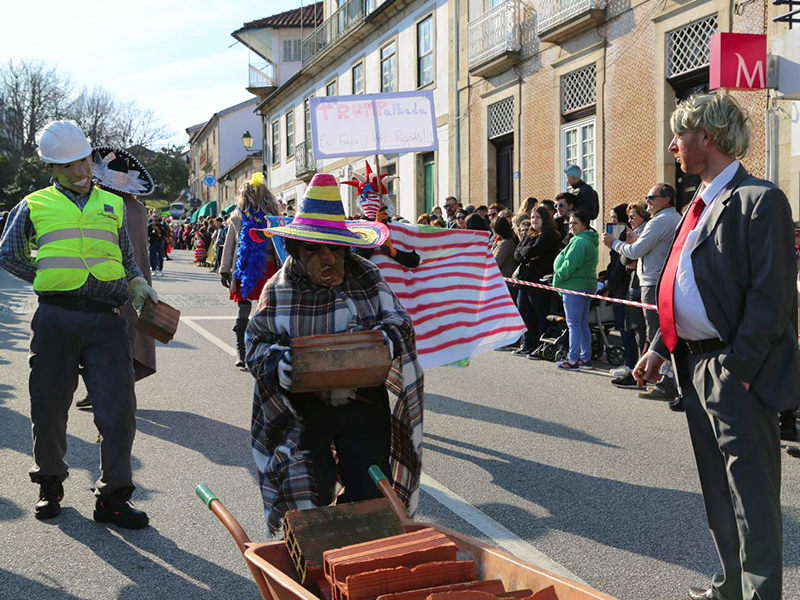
point(216, 146)
point(365, 46)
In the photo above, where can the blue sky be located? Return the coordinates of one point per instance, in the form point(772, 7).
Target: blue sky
point(171, 55)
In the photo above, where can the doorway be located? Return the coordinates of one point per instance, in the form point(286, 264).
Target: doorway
point(428, 173)
point(504, 161)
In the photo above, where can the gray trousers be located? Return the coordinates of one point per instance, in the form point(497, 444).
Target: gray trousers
point(650, 316)
point(63, 340)
point(736, 444)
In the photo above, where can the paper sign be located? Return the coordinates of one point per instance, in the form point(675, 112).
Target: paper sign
point(373, 124)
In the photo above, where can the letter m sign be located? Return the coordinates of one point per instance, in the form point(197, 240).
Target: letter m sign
point(738, 61)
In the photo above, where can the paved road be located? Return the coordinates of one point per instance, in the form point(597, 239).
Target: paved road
point(546, 463)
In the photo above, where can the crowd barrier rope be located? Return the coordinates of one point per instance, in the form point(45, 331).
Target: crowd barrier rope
point(585, 295)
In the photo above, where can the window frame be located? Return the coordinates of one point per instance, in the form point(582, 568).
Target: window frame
point(381, 59)
point(275, 141)
point(432, 52)
point(335, 83)
point(289, 116)
point(353, 79)
point(579, 126)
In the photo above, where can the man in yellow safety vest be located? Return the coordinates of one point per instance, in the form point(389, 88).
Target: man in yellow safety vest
point(83, 272)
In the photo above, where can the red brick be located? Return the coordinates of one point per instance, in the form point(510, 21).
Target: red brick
point(367, 586)
point(493, 586)
point(332, 557)
point(462, 595)
point(408, 555)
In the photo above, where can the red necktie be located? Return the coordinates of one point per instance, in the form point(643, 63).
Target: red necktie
point(666, 293)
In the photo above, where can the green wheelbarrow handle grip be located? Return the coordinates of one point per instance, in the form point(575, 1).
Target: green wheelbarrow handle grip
point(205, 494)
point(376, 474)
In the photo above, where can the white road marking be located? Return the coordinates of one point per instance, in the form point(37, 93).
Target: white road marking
point(504, 538)
point(209, 336)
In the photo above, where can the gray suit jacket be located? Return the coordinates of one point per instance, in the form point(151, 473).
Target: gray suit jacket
point(744, 266)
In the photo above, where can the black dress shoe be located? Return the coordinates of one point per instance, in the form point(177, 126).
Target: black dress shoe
point(117, 509)
point(696, 593)
point(51, 492)
point(677, 404)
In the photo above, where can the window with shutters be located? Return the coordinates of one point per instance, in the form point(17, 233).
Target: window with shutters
point(578, 90)
point(276, 141)
point(291, 51)
point(388, 68)
point(307, 118)
point(425, 52)
point(578, 148)
point(501, 118)
point(331, 88)
point(290, 134)
point(689, 47)
point(357, 73)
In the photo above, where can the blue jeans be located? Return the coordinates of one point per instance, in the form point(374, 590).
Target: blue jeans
point(576, 310)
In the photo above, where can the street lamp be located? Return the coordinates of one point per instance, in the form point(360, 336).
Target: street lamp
point(247, 140)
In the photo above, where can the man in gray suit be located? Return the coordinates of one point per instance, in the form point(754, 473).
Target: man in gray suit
point(725, 298)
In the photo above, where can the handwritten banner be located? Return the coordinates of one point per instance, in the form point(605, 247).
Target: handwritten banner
point(373, 124)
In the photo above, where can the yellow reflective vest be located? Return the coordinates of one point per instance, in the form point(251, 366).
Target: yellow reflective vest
point(75, 243)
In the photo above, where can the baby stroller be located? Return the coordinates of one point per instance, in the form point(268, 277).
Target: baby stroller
point(601, 320)
point(555, 341)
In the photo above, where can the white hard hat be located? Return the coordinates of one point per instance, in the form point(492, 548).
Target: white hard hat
point(62, 142)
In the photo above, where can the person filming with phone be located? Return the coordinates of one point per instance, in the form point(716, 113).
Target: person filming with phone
point(650, 248)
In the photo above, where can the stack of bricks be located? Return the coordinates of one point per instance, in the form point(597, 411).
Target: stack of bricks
point(422, 565)
point(308, 533)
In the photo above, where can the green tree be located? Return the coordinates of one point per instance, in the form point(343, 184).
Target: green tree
point(169, 170)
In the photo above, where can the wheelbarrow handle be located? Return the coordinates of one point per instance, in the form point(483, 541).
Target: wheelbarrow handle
point(205, 494)
point(385, 486)
point(215, 505)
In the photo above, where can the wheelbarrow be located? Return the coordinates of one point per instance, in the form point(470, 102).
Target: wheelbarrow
point(276, 577)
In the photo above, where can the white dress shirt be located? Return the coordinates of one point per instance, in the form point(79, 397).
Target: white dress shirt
point(691, 318)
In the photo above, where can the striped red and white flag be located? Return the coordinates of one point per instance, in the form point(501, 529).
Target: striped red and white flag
point(457, 298)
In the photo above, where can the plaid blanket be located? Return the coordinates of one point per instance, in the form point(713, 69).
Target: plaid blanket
point(291, 306)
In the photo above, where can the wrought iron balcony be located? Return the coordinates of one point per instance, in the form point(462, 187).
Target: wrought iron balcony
point(347, 16)
point(563, 19)
point(261, 77)
point(494, 39)
point(304, 164)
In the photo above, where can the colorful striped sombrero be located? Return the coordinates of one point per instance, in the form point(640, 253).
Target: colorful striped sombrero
point(320, 219)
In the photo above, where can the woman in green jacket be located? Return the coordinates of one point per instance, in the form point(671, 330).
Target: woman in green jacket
point(575, 268)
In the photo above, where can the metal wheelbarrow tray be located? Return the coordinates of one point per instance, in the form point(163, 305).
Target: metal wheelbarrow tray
point(277, 578)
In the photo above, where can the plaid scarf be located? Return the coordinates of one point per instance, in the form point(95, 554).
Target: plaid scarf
point(291, 306)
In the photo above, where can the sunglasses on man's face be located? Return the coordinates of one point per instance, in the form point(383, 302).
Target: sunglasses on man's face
point(312, 248)
point(654, 196)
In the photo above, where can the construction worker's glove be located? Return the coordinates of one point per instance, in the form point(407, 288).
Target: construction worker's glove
point(140, 292)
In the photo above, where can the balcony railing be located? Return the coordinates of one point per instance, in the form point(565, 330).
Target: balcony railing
point(304, 163)
point(262, 76)
point(205, 157)
point(346, 17)
point(495, 33)
point(554, 13)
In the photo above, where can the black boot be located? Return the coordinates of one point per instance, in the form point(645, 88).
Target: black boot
point(51, 492)
point(116, 508)
point(239, 329)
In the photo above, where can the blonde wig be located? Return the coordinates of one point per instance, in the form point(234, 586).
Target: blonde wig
point(255, 194)
point(720, 115)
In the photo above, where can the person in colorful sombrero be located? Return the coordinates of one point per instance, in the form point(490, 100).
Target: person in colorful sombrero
point(323, 288)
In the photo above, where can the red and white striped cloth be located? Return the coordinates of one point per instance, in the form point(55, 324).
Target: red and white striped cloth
point(457, 299)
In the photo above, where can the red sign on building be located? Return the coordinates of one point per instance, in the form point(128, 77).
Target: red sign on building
point(738, 61)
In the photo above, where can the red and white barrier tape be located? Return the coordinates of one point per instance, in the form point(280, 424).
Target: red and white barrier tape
point(574, 293)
